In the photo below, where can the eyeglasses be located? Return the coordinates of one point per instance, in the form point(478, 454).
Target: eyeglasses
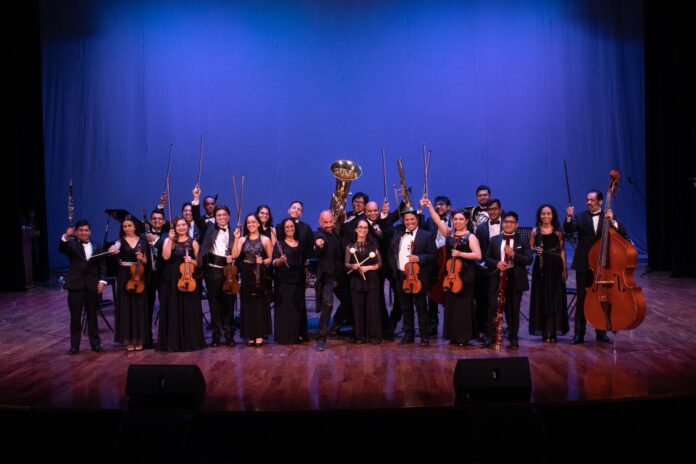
point(508, 221)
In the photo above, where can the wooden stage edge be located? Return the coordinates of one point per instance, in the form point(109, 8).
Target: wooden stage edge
point(655, 361)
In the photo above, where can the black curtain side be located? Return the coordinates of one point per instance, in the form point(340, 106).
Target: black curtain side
point(23, 181)
point(670, 138)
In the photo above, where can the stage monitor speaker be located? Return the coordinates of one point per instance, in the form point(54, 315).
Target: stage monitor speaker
point(165, 386)
point(492, 380)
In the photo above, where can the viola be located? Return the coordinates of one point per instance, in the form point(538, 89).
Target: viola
point(613, 301)
point(231, 284)
point(136, 284)
point(186, 282)
point(412, 283)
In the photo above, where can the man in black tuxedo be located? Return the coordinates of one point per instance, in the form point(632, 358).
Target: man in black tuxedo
point(484, 232)
point(330, 278)
point(415, 245)
point(588, 226)
point(442, 205)
point(360, 201)
point(155, 238)
point(209, 204)
point(214, 255)
point(479, 212)
point(84, 283)
point(508, 251)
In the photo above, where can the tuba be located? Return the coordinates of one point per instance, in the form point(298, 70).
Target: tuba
point(345, 172)
point(404, 190)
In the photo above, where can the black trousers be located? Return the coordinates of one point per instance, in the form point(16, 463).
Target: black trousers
point(407, 301)
point(325, 289)
point(89, 300)
point(221, 305)
point(582, 280)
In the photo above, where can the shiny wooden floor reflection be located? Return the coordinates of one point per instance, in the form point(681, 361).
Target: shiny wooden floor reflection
point(657, 359)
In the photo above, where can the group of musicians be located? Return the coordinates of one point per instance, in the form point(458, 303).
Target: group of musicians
point(473, 261)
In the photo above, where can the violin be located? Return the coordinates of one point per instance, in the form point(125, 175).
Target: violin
point(453, 281)
point(259, 281)
point(187, 282)
point(136, 284)
point(411, 283)
point(231, 284)
point(613, 301)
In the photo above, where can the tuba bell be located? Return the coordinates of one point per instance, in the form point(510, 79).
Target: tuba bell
point(345, 172)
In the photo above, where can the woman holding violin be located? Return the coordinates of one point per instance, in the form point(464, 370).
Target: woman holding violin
point(463, 250)
point(548, 313)
point(131, 313)
point(363, 260)
point(290, 316)
point(181, 315)
point(255, 254)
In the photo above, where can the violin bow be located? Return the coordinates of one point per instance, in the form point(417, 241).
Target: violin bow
point(565, 169)
point(200, 162)
point(384, 171)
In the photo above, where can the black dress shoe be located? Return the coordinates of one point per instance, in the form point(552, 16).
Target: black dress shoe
point(577, 340)
point(514, 343)
point(215, 343)
point(230, 342)
point(73, 350)
point(406, 339)
point(486, 343)
point(357, 341)
point(425, 341)
point(97, 348)
point(603, 338)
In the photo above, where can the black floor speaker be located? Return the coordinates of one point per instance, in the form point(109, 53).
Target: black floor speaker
point(165, 386)
point(492, 380)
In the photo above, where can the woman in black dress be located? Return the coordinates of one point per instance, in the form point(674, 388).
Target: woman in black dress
point(460, 318)
point(290, 317)
point(548, 314)
point(131, 306)
point(263, 212)
point(181, 315)
point(255, 254)
point(362, 260)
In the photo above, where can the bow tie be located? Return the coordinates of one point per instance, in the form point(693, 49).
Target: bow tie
point(408, 232)
point(84, 242)
point(492, 223)
point(223, 229)
point(595, 214)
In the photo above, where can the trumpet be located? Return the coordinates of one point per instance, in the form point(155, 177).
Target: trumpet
point(345, 172)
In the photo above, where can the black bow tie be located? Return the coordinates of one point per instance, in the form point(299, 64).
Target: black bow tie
point(595, 214)
point(492, 223)
point(223, 229)
point(84, 242)
point(408, 232)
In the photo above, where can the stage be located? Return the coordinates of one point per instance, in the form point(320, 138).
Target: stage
point(655, 360)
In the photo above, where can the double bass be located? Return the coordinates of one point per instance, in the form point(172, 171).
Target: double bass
point(613, 301)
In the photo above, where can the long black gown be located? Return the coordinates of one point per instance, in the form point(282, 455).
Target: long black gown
point(255, 311)
point(290, 316)
point(131, 314)
point(181, 315)
point(548, 314)
point(460, 323)
point(365, 292)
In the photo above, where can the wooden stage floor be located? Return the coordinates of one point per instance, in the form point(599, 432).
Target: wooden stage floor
point(656, 360)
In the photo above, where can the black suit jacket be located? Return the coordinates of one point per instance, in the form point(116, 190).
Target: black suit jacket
point(424, 247)
point(209, 240)
point(83, 274)
point(331, 255)
point(583, 225)
point(201, 221)
point(522, 258)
